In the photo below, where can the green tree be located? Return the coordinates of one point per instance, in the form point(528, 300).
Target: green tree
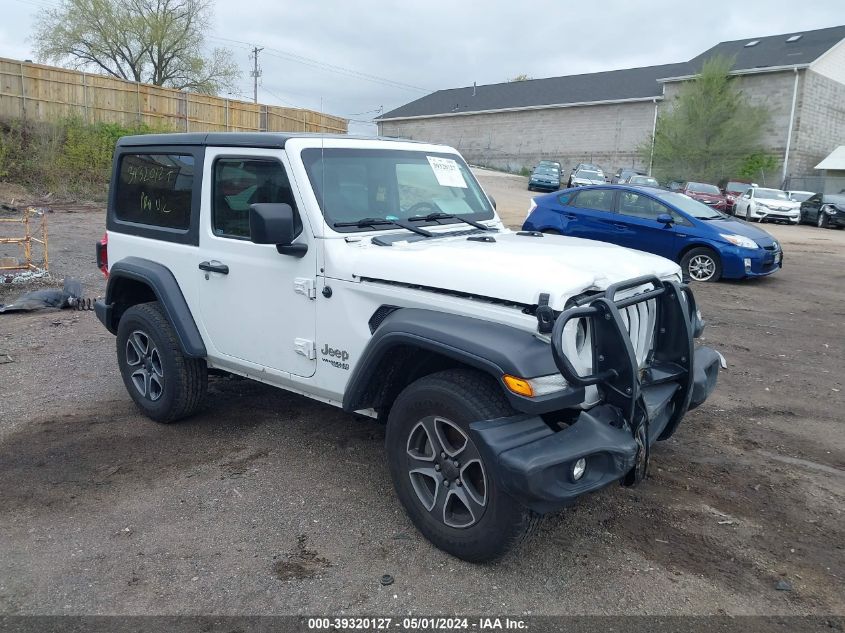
point(709, 130)
point(756, 166)
point(153, 41)
point(521, 77)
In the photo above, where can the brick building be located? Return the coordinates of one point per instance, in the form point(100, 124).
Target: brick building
point(605, 117)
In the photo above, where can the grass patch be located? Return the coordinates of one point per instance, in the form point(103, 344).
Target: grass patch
point(69, 158)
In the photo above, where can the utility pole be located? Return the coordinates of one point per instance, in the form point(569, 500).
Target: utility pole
point(256, 73)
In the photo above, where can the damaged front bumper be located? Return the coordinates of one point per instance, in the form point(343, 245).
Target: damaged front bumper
point(537, 465)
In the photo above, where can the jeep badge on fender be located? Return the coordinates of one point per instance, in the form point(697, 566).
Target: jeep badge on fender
point(505, 395)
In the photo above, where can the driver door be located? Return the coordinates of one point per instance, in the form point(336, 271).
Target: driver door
point(261, 310)
point(637, 219)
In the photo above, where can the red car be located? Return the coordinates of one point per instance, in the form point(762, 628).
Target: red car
point(732, 190)
point(708, 194)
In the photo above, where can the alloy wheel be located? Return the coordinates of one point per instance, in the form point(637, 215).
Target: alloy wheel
point(446, 472)
point(820, 219)
point(702, 267)
point(144, 361)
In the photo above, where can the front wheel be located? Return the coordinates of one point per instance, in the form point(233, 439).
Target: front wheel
point(164, 383)
point(821, 221)
point(702, 264)
point(449, 490)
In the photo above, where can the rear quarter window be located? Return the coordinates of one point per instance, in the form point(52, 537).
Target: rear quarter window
point(155, 190)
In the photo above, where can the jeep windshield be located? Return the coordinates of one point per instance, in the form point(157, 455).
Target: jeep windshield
point(354, 185)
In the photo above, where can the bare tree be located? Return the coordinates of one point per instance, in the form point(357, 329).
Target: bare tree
point(153, 41)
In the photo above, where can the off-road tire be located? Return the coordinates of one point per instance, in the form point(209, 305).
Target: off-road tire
point(184, 379)
point(461, 396)
point(701, 252)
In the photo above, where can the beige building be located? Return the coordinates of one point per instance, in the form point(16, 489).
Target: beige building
point(605, 117)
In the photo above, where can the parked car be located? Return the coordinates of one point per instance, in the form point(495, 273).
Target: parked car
point(707, 243)
point(622, 175)
point(733, 189)
point(800, 196)
point(586, 176)
point(550, 163)
point(824, 210)
point(544, 177)
point(637, 179)
point(761, 203)
point(706, 193)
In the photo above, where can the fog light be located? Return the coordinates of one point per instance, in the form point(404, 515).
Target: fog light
point(578, 469)
point(747, 262)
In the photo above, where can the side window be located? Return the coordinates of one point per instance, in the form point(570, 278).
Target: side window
point(640, 206)
point(240, 182)
point(816, 199)
point(155, 189)
point(565, 198)
point(598, 199)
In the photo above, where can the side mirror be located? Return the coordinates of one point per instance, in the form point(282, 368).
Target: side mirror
point(276, 223)
point(665, 218)
point(492, 200)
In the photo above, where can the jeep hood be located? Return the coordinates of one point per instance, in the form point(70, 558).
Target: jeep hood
point(514, 268)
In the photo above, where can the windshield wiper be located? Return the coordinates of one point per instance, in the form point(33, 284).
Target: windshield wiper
point(363, 222)
point(431, 217)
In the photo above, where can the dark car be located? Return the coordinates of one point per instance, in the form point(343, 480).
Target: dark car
point(550, 163)
point(544, 177)
point(733, 189)
point(825, 210)
point(706, 193)
point(641, 179)
point(707, 243)
point(622, 175)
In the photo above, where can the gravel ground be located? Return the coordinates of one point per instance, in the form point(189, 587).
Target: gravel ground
point(267, 502)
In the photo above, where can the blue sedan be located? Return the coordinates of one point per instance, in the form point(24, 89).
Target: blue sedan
point(706, 243)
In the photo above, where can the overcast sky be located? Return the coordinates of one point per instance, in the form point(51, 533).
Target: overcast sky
point(320, 51)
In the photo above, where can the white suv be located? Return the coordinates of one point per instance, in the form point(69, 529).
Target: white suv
point(515, 371)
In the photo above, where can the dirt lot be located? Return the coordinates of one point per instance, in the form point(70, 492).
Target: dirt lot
point(271, 503)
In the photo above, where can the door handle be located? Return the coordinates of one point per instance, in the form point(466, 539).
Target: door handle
point(214, 267)
point(570, 216)
point(620, 226)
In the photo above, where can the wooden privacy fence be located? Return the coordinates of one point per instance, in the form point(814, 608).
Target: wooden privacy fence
point(48, 93)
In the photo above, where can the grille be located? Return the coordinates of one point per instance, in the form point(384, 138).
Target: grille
point(640, 320)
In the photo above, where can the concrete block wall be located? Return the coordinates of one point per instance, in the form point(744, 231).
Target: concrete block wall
point(607, 135)
point(819, 125)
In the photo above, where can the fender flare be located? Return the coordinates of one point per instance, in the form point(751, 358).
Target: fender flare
point(166, 289)
point(493, 348)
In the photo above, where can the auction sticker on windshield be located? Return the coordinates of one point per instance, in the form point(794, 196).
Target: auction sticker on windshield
point(447, 172)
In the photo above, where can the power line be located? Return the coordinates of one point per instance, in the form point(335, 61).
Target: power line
point(314, 63)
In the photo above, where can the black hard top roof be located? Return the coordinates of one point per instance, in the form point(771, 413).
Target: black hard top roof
point(232, 139)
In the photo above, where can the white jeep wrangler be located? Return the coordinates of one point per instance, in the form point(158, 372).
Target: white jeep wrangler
point(515, 371)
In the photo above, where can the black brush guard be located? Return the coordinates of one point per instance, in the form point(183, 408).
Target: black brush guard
point(639, 405)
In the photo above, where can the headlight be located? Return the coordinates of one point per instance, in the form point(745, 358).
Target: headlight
point(830, 210)
point(740, 240)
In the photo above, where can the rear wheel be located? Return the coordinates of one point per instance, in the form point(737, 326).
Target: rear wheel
point(702, 264)
point(449, 490)
point(164, 383)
